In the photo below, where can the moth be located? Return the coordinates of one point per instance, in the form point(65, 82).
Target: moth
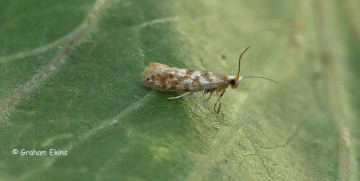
point(186, 81)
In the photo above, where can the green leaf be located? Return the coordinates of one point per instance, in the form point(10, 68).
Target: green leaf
point(71, 89)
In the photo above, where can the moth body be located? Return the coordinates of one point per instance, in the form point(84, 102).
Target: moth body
point(165, 78)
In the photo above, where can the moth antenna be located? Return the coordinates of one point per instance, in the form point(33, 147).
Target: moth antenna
point(250, 76)
point(240, 59)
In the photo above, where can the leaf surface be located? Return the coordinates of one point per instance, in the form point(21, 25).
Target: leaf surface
point(71, 89)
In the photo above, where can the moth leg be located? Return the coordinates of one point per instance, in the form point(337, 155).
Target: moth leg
point(208, 98)
point(186, 93)
point(198, 105)
point(218, 101)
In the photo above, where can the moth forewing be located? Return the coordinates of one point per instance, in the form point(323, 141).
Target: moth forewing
point(165, 78)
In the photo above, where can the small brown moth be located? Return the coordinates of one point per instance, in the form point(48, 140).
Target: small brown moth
point(164, 78)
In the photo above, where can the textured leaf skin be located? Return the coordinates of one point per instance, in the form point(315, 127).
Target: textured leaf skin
point(70, 81)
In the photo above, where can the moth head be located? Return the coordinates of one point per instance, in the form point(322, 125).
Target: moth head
point(235, 81)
